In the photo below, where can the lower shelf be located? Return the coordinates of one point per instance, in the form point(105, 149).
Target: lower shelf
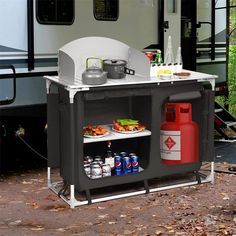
point(67, 193)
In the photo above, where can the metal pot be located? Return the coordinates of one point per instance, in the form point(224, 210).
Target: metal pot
point(116, 68)
point(94, 75)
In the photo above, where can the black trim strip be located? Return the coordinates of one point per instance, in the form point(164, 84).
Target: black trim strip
point(208, 45)
point(30, 20)
point(161, 26)
point(24, 61)
point(30, 74)
point(227, 7)
point(213, 24)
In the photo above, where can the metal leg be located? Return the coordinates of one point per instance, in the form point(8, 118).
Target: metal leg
point(212, 172)
point(63, 190)
point(146, 186)
point(88, 196)
point(198, 178)
point(49, 177)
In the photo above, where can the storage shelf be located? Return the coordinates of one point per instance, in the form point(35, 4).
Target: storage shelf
point(113, 135)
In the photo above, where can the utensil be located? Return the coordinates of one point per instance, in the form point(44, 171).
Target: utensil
point(116, 68)
point(94, 75)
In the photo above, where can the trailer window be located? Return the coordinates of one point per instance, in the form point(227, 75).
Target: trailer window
point(55, 12)
point(106, 10)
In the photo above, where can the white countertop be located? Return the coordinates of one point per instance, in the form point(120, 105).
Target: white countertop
point(135, 79)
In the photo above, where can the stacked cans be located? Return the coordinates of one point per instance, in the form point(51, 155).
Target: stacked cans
point(95, 168)
point(126, 163)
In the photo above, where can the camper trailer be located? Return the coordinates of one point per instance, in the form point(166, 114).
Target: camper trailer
point(32, 32)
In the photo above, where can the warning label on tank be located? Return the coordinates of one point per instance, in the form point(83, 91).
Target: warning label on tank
point(170, 145)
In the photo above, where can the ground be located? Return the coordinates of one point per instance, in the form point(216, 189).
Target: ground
point(28, 207)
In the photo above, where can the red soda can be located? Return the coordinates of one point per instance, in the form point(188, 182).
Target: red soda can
point(149, 55)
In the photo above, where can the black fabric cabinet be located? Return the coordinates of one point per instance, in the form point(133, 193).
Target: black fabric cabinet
point(101, 105)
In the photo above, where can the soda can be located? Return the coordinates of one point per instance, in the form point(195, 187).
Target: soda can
point(118, 165)
point(132, 154)
point(127, 169)
point(88, 159)
point(100, 162)
point(98, 159)
point(106, 170)
point(135, 164)
point(87, 170)
point(123, 154)
point(96, 171)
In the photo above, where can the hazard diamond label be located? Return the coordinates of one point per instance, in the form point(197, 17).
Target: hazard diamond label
point(169, 142)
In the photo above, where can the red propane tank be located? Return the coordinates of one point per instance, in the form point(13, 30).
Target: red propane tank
point(179, 142)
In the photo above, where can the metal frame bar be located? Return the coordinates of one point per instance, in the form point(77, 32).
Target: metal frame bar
point(73, 202)
point(30, 28)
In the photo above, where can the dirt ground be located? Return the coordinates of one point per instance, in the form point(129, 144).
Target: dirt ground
point(28, 207)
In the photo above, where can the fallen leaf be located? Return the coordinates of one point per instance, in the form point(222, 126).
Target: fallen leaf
point(102, 216)
point(168, 227)
point(222, 226)
point(16, 222)
point(234, 219)
point(225, 198)
point(26, 182)
point(35, 205)
point(61, 230)
point(37, 229)
point(123, 216)
point(112, 223)
point(136, 208)
point(126, 232)
point(158, 232)
point(58, 208)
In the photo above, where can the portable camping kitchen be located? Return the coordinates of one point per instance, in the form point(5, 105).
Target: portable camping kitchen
point(73, 105)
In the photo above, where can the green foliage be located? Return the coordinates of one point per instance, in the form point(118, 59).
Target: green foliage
point(232, 61)
point(232, 79)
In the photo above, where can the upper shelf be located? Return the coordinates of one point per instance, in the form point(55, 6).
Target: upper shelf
point(113, 135)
